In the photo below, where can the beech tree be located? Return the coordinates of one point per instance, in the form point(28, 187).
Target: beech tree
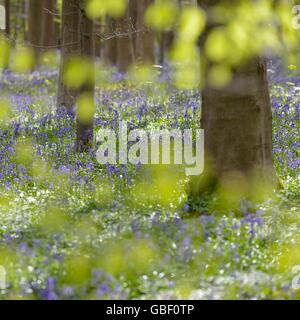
point(165, 43)
point(77, 40)
point(85, 127)
point(49, 27)
point(35, 25)
point(128, 39)
point(237, 120)
point(125, 46)
point(67, 96)
point(7, 18)
point(145, 37)
point(110, 41)
point(42, 29)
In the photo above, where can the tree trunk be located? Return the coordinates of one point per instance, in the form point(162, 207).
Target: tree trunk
point(237, 123)
point(166, 40)
point(7, 18)
point(97, 40)
point(87, 50)
point(49, 35)
point(70, 46)
point(110, 42)
point(22, 11)
point(124, 42)
point(35, 25)
point(145, 38)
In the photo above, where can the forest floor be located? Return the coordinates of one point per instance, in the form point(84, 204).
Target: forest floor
point(73, 229)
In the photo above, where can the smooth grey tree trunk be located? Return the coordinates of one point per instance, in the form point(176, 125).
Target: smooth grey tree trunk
point(35, 25)
point(84, 131)
point(145, 38)
point(66, 96)
point(237, 123)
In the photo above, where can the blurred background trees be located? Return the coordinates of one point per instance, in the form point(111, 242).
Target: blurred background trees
point(7, 17)
point(206, 44)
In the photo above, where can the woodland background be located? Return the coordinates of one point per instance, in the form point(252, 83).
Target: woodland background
point(71, 228)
